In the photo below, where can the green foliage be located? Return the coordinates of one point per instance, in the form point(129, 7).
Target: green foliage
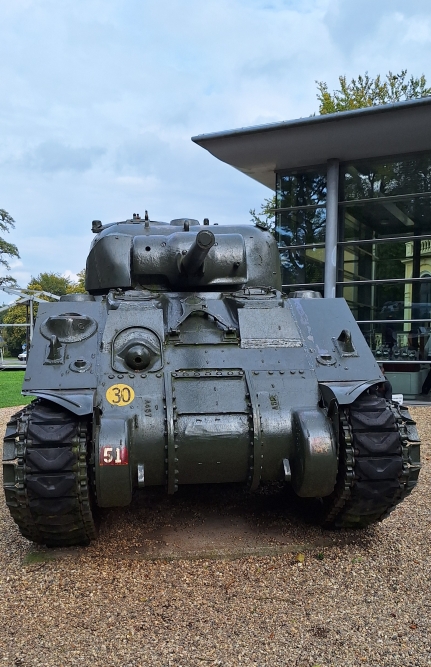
point(367, 92)
point(15, 336)
point(266, 216)
point(80, 285)
point(10, 389)
point(6, 249)
point(54, 283)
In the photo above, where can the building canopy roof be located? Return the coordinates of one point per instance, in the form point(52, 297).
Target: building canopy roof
point(372, 132)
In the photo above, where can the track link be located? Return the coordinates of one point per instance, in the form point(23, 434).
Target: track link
point(379, 463)
point(45, 475)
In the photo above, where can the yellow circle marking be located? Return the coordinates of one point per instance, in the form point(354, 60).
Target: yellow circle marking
point(120, 394)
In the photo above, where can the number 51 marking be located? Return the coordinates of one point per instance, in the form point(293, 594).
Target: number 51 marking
point(116, 456)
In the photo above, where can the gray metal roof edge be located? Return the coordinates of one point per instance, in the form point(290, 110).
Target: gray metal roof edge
point(325, 118)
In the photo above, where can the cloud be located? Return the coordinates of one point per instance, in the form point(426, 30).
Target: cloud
point(51, 156)
point(353, 26)
point(144, 154)
point(70, 275)
point(418, 29)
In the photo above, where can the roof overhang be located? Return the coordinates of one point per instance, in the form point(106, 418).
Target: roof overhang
point(259, 152)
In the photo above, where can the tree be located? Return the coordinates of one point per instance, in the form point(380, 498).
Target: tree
point(6, 249)
point(265, 217)
point(80, 285)
point(53, 283)
point(15, 336)
point(367, 92)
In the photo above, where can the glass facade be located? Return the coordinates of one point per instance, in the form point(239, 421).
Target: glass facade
point(300, 227)
point(383, 248)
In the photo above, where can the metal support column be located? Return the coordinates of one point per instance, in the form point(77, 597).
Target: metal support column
point(331, 235)
point(31, 320)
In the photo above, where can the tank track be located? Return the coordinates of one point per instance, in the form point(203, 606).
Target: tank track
point(379, 463)
point(45, 475)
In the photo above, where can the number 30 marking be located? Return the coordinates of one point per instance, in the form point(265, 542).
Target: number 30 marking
point(120, 394)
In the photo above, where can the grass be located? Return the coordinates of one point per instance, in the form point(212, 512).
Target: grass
point(10, 389)
point(36, 557)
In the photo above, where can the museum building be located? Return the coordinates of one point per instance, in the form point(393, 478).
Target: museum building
point(353, 218)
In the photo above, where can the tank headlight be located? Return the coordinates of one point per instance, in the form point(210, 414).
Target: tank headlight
point(138, 357)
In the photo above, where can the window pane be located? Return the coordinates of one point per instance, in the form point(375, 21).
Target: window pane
point(302, 265)
point(301, 227)
point(377, 261)
point(374, 178)
point(390, 302)
point(389, 341)
point(301, 189)
point(381, 219)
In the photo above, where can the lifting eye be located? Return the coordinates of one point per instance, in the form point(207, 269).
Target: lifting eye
point(138, 357)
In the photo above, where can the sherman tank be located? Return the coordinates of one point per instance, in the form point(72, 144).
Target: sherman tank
point(186, 364)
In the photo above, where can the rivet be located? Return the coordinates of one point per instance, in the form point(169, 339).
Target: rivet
point(158, 375)
point(131, 376)
point(301, 372)
point(270, 372)
point(255, 372)
point(144, 375)
point(120, 376)
point(292, 372)
point(111, 377)
point(281, 372)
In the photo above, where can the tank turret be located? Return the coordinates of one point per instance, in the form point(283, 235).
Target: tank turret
point(147, 253)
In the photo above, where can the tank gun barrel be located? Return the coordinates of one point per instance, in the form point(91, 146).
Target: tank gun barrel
point(195, 257)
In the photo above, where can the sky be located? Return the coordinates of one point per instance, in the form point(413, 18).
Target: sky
point(100, 99)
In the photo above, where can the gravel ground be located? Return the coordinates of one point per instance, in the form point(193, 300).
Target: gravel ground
point(362, 599)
